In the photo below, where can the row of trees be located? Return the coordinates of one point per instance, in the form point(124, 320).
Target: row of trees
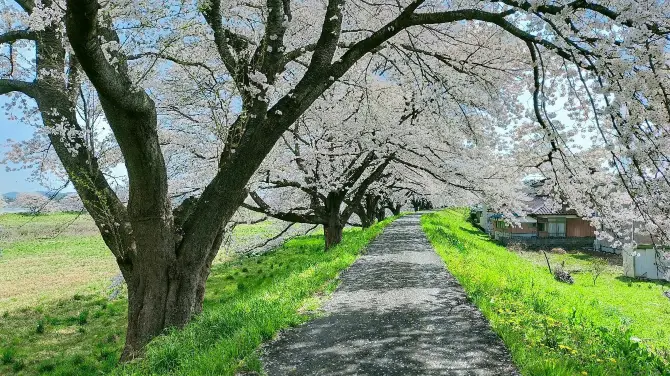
point(36, 203)
point(313, 112)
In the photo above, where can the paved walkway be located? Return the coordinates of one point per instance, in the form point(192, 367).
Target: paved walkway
point(397, 311)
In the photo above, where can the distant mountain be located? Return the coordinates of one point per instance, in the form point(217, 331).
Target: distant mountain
point(11, 196)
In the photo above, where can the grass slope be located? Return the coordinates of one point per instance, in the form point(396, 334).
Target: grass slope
point(553, 328)
point(248, 300)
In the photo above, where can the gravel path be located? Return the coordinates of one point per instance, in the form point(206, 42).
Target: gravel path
point(397, 311)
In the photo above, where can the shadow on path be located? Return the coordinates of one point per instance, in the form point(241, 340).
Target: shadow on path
point(397, 312)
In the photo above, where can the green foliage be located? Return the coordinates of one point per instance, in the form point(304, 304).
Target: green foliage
point(84, 334)
point(553, 328)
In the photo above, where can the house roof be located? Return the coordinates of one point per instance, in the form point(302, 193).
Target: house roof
point(543, 205)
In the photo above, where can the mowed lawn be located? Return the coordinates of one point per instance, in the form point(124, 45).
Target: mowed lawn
point(56, 317)
point(617, 326)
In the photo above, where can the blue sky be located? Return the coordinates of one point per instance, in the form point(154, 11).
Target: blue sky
point(11, 181)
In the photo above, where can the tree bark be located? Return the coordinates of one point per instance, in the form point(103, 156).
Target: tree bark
point(156, 297)
point(163, 295)
point(380, 214)
point(334, 223)
point(332, 234)
point(365, 217)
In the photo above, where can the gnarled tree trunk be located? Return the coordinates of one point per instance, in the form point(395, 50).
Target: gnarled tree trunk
point(334, 223)
point(366, 219)
point(380, 214)
point(162, 294)
point(333, 234)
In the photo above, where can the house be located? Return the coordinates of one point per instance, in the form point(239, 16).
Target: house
point(545, 225)
point(481, 217)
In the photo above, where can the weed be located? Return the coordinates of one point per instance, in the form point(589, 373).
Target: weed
point(18, 365)
point(40, 327)
point(8, 355)
point(82, 319)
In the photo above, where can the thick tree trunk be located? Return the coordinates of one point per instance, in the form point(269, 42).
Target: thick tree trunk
point(149, 305)
point(380, 214)
point(162, 294)
point(334, 223)
point(366, 219)
point(368, 210)
point(333, 235)
point(395, 209)
point(160, 297)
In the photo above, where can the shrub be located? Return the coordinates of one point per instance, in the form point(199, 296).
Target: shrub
point(82, 319)
point(40, 327)
point(598, 266)
point(8, 355)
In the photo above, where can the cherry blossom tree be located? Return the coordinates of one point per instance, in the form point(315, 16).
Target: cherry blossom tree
point(216, 85)
point(32, 203)
point(346, 153)
point(69, 203)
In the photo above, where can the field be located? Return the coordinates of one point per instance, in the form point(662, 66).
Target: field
point(51, 256)
point(617, 326)
point(57, 318)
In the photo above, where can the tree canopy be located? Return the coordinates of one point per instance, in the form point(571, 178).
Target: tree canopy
point(201, 102)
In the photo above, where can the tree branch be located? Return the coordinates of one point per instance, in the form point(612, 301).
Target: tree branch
point(16, 35)
point(84, 35)
point(223, 38)
point(264, 208)
point(10, 85)
point(26, 5)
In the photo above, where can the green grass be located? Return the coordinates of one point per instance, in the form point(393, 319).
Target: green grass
point(248, 300)
point(552, 328)
point(48, 257)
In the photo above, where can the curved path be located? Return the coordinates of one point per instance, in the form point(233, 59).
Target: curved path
point(397, 311)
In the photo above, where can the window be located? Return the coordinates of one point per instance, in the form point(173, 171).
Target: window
point(557, 227)
point(541, 226)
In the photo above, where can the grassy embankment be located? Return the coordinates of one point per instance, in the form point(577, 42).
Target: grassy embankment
point(45, 328)
point(619, 326)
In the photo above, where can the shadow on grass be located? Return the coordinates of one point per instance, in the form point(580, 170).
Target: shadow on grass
point(640, 281)
point(590, 256)
point(476, 232)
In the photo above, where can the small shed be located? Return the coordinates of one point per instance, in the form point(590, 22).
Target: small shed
point(647, 262)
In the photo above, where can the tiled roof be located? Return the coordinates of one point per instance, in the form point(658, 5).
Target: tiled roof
point(542, 205)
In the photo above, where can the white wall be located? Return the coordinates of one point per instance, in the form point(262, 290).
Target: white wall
point(644, 263)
